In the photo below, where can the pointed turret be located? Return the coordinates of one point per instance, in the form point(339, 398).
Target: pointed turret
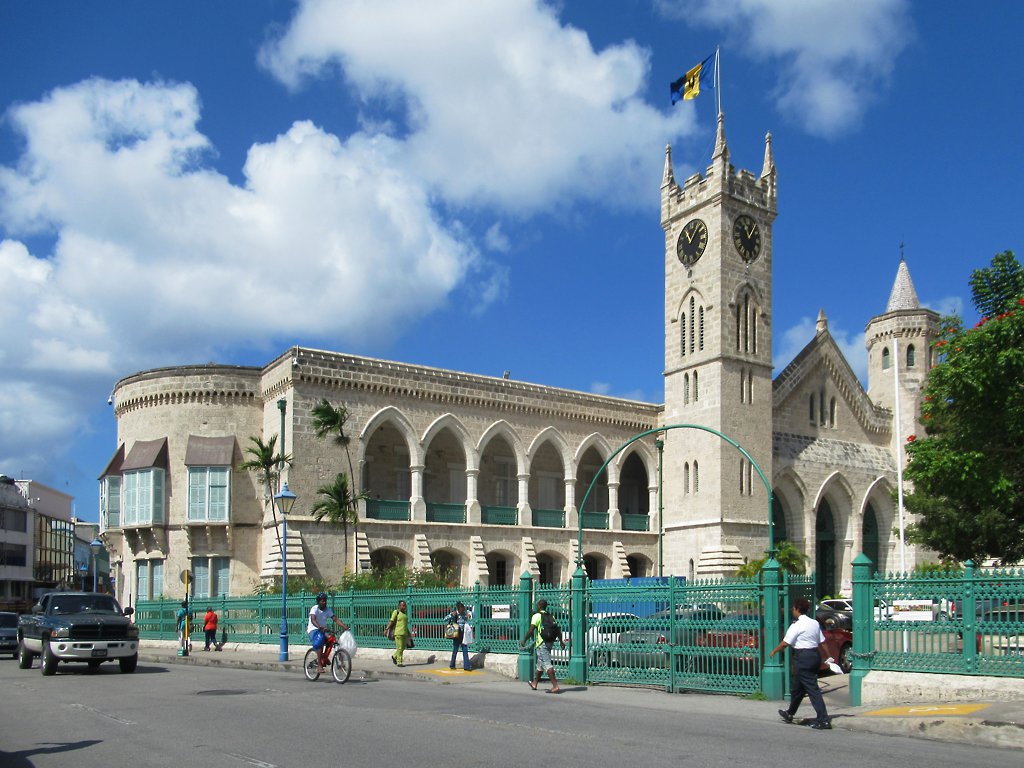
point(769, 161)
point(667, 177)
point(822, 324)
point(903, 295)
point(721, 150)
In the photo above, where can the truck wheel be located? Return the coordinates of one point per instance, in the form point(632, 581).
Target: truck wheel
point(128, 663)
point(24, 656)
point(94, 666)
point(49, 665)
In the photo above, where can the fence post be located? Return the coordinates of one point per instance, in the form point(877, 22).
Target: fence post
point(969, 616)
point(578, 616)
point(672, 634)
point(773, 675)
point(863, 626)
point(524, 602)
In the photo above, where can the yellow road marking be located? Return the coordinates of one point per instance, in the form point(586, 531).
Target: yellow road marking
point(455, 672)
point(928, 710)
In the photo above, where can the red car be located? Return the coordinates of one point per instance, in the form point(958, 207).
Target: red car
point(733, 646)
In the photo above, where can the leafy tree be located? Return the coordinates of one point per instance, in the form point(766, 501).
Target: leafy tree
point(790, 559)
point(329, 421)
point(337, 504)
point(267, 465)
point(967, 471)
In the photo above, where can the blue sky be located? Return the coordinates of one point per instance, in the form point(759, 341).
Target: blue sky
point(467, 185)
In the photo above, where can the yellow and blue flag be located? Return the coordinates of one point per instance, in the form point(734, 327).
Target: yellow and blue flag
point(688, 86)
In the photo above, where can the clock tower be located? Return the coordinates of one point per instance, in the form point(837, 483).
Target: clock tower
point(718, 361)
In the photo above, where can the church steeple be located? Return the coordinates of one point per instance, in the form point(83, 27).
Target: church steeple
point(667, 177)
point(903, 295)
point(721, 150)
point(768, 169)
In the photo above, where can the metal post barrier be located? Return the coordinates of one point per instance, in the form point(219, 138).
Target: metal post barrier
point(772, 671)
point(863, 626)
point(525, 606)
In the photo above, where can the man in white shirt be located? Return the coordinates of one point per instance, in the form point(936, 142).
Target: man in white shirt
point(808, 642)
point(319, 615)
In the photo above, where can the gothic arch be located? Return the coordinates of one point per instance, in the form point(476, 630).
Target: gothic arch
point(393, 416)
point(599, 443)
point(453, 423)
point(504, 429)
point(553, 436)
point(747, 288)
point(696, 295)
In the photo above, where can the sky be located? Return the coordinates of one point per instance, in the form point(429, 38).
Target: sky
point(470, 185)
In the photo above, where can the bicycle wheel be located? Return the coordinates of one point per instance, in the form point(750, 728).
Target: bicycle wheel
point(341, 667)
point(311, 665)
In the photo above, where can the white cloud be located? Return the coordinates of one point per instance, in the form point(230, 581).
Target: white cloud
point(525, 108)
point(833, 55)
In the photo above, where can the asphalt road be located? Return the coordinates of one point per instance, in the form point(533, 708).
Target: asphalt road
point(208, 717)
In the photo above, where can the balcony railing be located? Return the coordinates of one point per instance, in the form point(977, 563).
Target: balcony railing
point(636, 523)
point(383, 509)
point(445, 513)
point(595, 520)
point(499, 515)
point(549, 518)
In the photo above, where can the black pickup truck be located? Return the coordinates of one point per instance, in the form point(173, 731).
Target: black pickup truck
point(78, 627)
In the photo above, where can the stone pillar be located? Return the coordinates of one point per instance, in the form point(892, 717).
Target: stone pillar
point(572, 520)
point(472, 502)
point(523, 506)
point(417, 504)
point(614, 515)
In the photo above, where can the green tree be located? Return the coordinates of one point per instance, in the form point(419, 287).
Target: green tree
point(338, 505)
point(329, 421)
point(967, 471)
point(790, 559)
point(267, 465)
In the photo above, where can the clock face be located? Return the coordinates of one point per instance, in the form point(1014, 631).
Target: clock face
point(746, 236)
point(692, 241)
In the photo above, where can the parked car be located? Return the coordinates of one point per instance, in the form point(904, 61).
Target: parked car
point(831, 618)
point(604, 629)
point(1001, 630)
point(651, 642)
point(734, 646)
point(9, 634)
point(838, 604)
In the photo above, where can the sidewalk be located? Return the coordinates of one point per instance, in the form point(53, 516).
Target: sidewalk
point(982, 723)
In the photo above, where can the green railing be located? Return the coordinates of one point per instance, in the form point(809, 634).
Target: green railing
point(490, 515)
point(969, 622)
point(595, 520)
point(636, 523)
point(445, 513)
point(383, 509)
point(549, 518)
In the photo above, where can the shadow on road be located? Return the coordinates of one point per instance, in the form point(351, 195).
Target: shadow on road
point(20, 759)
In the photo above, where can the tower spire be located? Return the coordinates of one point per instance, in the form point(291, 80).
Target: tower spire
point(769, 160)
point(667, 177)
point(720, 147)
point(903, 295)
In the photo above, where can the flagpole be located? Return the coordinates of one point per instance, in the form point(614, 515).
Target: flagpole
point(899, 453)
point(718, 80)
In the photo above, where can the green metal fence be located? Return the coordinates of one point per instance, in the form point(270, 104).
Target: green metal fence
point(966, 623)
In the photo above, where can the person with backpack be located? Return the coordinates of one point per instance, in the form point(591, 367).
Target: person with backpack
point(456, 625)
point(545, 631)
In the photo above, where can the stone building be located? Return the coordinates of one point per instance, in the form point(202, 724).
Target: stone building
point(487, 477)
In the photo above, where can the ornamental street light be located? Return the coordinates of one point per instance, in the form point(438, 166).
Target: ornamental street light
point(95, 545)
point(285, 501)
point(84, 569)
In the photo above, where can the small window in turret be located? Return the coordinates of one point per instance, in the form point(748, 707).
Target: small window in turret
point(885, 358)
point(911, 356)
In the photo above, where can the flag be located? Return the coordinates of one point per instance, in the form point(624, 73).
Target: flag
point(688, 86)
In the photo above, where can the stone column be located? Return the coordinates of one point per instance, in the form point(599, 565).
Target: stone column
point(523, 506)
point(417, 504)
point(472, 502)
point(614, 515)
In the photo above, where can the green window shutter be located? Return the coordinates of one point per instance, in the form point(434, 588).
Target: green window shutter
point(158, 577)
point(197, 479)
point(221, 570)
point(219, 478)
point(142, 579)
point(144, 494)
point(201, 577)
point(131, 498)
point(158, 496)
point(113, 485)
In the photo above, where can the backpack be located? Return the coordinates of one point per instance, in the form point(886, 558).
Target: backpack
point(549, 629)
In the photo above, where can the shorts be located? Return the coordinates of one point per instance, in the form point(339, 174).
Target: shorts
point(544, 658)
point(316, 639)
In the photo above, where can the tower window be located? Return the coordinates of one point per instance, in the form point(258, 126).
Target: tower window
point(821, 408)
point(696, 389)
point(832, 413)
point(911, 356)
point(696, 477)
point(812, 409)
point(682, 335)
point(885, 358)
point(692, 305)
point(686, 477)
point(700, 335)
point(686, 389)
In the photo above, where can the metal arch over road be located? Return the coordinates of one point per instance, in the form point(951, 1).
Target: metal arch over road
point(702, 428)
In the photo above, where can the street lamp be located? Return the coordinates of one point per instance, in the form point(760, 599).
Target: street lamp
point(84, 569)
point(95, 545)
point(285, 501)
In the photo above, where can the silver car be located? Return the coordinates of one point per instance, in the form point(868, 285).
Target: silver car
point(9, 633)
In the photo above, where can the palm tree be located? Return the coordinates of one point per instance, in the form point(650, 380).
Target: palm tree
point(337, 505)
point(789, 558)
point(330, 421)
point(267, 465)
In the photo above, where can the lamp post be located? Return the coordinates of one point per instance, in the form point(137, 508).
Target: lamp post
point(285, 501)
point(95, 545)
point(84, 569)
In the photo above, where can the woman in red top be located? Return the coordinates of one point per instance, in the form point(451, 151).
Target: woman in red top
point(210, 628)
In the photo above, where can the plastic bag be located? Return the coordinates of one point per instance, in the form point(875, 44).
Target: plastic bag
point(347, 643)
point(468, 635)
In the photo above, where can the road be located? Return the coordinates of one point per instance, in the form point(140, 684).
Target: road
point(207, 717)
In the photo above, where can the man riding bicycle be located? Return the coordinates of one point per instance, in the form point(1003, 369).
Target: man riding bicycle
point(319, 615)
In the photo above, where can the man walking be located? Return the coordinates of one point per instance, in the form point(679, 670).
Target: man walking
point(545, 631)
point(808, 643)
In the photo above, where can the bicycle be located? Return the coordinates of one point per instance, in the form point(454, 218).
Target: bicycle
point(334, 657)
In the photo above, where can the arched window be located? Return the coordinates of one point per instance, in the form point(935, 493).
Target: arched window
point(742, 474)
point(911, 356)
point(692, 306)
point(750, 386)
point(686, 477)
point(696, 389)
point(686, 389)
point(746, 324)
point(821, 408)
point(743, 387)
point(832, 413)
point(691, 569)
point(700, 335)
point(696, 477)
point(682, 334)
point(813, 410)
point(885, 358)
point(738, 324)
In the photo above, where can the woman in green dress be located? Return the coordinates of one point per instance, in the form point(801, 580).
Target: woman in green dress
point(399, 625)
